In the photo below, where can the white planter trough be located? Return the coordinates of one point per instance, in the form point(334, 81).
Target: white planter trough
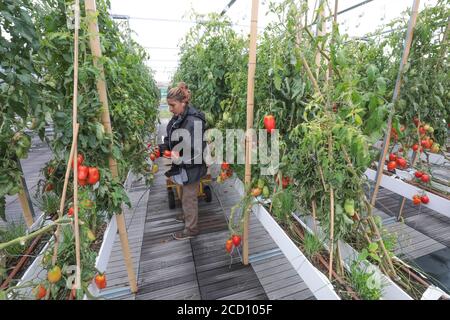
point(104, 253)
point(316, 281)
point(390, 290)
point(406, 190)
point(34, 271)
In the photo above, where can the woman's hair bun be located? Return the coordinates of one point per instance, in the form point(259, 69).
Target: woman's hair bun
point(180, 93)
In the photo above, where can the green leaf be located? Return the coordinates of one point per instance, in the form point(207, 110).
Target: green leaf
point(373, 247)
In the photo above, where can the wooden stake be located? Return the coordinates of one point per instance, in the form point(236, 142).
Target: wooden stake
point(250, 103)
point(387, 137)
point(330, 155)
point(94, 40)
point(75, 159)
point(64, 193)
point(314, 215)
point(24, 203)
point(331, 231)
point(333, 29)
point(24, 197)
point(319, 32)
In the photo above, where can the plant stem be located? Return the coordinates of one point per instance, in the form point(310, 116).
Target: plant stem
point(24, 239)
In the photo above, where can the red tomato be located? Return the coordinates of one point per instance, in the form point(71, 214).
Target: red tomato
point(392, 157)
point(418, 174)
point(269, 123)
point(425, 178)
point(392, 165)
point(225, 166)
point(236, 240)
point(152, 156)
point(415, 147)
point(49, 187)
point(93, 175)
point(426, 144)
point(422, 130)
point(416, 200)
point(80, 160)
point(100, 281)
point(40, 292)
point(70, 213)
point(402, 162)
point(82, 172)
point(424, 199)
point(167, 154)
point(157, 153)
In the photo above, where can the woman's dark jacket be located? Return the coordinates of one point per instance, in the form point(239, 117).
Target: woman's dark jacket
point(191, 172)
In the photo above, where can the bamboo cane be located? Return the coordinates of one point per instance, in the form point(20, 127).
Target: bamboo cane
point(333, 30)
point(331, 231)
point(64, 193)
point(75, 159)
point(330, 153)
point(319, 32)
point(25, 204)
point(396, 95)
point(314, 215)
point(94, 40)
point(250, 104)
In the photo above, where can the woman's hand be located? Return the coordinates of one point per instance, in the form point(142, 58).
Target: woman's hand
point(175, 157)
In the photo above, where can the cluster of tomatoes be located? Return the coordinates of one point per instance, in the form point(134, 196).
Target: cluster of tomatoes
point(225, 172)
point(86, 175)
point(235, 241)
point(425, 178)
point(418, 199)
point(155, 154)
point(396, 161)
point(426, 142)
point(260, 188)
point(285, 181)
point(54, 275)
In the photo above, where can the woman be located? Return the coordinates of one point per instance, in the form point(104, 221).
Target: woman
point(189, 167)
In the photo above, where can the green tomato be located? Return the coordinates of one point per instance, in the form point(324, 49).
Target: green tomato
point(227, 117)
point(266, 192)
point(349, 207)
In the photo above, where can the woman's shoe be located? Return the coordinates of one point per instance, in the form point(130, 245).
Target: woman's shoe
point(183, 235)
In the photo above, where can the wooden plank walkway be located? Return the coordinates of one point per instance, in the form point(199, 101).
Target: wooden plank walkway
point(422, 219)
point(198, 268)
point(275, 273)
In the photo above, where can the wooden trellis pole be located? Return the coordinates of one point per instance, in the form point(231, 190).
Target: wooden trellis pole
point(24, 199)
point(396, 95)
point(250, 103)
point(64, 193)
point(320, 31)
point(94, 39)
point(75, 147)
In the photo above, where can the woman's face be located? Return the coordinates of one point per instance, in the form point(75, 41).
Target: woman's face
point(176, 107)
